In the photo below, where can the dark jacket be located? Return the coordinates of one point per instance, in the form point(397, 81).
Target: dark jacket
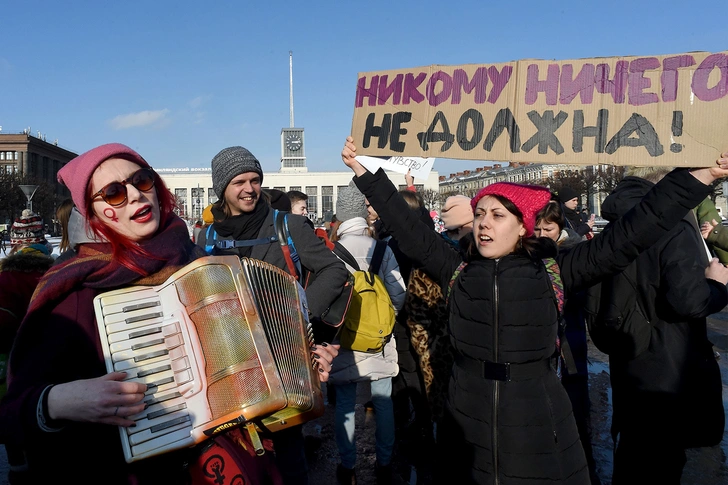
point(329, 273)
point(574, 222)
point(673, 389)
point(19, 275)
point(503, 311)
point(575, 331)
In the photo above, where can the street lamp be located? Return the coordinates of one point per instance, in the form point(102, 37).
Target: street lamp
point(29, 191)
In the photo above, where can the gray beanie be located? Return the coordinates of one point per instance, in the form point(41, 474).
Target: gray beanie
point(230, 163)
point(350, 203)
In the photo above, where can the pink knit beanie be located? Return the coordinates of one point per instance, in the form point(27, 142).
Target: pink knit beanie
point(528, 198)
point(456, 212)
point(76, 174)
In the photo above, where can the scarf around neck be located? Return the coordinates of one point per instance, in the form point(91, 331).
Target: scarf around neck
point(241, 227)
point(171, 249)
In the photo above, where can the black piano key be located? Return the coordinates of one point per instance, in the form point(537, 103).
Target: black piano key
point(142, 333)
point(141, 318)
point(169, 410)
point(151, 355)
point(140, 306)
point(151, 343)
point(169, 424)
point(161, 398)
point(154, 370)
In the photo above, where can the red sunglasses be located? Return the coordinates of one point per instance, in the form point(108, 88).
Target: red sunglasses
point(114, 193)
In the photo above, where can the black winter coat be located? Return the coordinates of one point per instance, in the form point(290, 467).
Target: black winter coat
point(502, 311)
point(673, 389)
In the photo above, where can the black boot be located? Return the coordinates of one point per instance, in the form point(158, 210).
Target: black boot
point(384, 475)
point(345, 476)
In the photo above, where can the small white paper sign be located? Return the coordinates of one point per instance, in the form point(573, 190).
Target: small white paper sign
point(419, 167)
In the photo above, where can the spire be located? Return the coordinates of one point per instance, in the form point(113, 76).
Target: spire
point(290, 74)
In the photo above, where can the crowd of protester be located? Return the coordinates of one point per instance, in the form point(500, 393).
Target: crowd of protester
point(484, 378)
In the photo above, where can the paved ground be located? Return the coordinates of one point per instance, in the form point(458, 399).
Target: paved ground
point(706, 466)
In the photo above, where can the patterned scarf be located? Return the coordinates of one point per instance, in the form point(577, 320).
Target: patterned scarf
point(171, 249)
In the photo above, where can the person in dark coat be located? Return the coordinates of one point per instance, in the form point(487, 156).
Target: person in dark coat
point(508, 418)
point(574, 370)
point(669, 396)
point(569, 202)
point(242, 214)
point(20, 272)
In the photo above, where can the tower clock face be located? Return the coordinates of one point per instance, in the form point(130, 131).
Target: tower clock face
point(293, 142)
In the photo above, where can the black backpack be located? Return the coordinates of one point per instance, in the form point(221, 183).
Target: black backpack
point(615, 316)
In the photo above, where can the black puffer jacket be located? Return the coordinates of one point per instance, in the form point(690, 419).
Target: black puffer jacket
point(673, 389)
point(503, 311)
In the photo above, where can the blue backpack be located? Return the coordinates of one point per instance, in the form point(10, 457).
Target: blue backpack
point(280, 221)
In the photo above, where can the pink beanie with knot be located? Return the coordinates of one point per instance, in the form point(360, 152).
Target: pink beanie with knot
point(529, 199)
point(76, 174)
point(456, 212)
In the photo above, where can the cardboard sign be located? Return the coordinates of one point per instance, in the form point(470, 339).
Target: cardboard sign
point(418, 167)
point(667, 110)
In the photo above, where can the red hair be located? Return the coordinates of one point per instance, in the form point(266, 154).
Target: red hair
point(121, 246)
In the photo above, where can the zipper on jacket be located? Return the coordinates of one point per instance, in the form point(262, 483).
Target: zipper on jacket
point(496, 383)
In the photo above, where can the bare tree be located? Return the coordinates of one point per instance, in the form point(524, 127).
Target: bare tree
point(574, 179)
point(609, 176)
point(431, 197)
point(717, 187)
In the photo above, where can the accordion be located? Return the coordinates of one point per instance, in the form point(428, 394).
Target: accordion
point(222, 342)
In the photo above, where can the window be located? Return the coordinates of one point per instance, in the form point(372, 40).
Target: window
point(282, 189)
point(211, 196)
point(327, 198)
point(296, 188)
point(312, 192)
point(198, 198)
point(180, 196)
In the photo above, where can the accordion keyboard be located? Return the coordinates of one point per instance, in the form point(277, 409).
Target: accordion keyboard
point(151, 350)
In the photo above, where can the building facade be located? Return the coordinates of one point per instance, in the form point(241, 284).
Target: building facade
point(192, 187)
point(34, 157)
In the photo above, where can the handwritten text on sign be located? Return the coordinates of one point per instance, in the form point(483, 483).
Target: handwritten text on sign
point(667, 110)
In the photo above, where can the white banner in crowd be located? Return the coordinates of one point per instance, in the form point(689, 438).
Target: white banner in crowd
point(419, 167)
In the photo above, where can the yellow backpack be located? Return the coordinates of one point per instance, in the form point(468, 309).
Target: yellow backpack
point(369, 322)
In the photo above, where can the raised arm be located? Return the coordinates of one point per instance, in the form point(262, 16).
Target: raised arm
point(642, 226)
point(425, 247)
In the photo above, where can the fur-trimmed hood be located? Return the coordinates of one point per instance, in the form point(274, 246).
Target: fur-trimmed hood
point(26, 262)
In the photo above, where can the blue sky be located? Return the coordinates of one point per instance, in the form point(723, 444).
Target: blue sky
point(180, 80)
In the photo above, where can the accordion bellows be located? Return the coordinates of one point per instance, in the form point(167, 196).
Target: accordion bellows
point(222, 342)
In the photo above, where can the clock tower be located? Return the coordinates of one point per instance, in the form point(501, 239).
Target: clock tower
point(293, 154)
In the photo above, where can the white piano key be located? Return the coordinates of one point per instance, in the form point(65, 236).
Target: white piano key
point(180, 365)
point(133, 367)
point(112, 328)
point(183, 377)
point(175, 440)
point(139, 342)
point(128, 298)
point(156, 379)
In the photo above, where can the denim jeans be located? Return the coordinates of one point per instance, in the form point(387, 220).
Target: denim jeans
point(384, 414)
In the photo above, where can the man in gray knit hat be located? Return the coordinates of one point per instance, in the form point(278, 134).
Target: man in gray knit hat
point(244, 226)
